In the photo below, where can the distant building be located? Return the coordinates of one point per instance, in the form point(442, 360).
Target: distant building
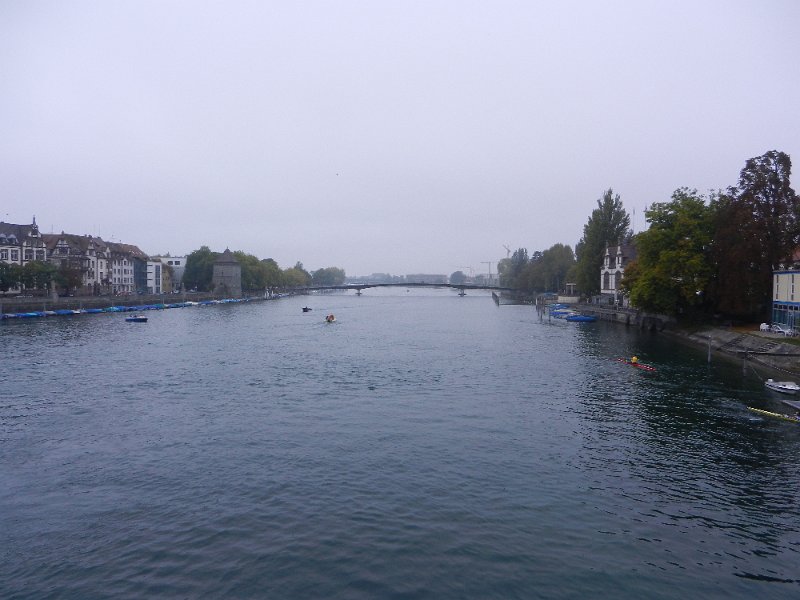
point(21, 244)
point(154, 283)
point(615, 260)
point(82, 252)
point(426, 278)
point(227, 276)
point(177, 264)
point(786, 298)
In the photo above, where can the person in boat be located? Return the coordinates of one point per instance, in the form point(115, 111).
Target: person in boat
point(330, 318)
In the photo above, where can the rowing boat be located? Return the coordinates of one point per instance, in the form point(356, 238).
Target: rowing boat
point(638, 365)
point(774, 414)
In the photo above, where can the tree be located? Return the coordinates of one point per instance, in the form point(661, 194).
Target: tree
point(757, 230)
point(608, 225)
point(254, 272)
point(68, 277)
point(672, 270)
point(328, 276)
point(504, 271)
point(199, 271)
point(297, 276)
point(547, 271)
point(272, 273)
point(10, 275)
point(458, 277)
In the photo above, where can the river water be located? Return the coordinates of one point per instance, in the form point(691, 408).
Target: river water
point(422, 446)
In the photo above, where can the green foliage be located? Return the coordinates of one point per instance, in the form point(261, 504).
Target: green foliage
point(672, 270)
point(297, 276)
point(254, 272)
point(458, 277)
point(510, 269)
point(68, 278)
point(272, 273)
point(199, 270)
point(756, 230)
point(38, 275)
point(608, 225)
point(504, 272)
point(547, 271)
point(10, 275)
point(328, 276)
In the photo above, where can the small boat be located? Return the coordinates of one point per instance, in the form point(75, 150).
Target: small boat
point(306, 309)
point(794, 419)
point(581, 318)
point(330, 318)
point(634, 362)
point(136, 319)
point(784, 387)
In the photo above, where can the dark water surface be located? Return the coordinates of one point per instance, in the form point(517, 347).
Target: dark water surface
point(423, 446)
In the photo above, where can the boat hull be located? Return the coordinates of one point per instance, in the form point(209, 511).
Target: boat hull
point(784, 387)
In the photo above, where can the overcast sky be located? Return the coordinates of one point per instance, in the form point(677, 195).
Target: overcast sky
point(380, 136)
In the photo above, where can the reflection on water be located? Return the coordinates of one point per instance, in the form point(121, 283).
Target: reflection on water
point(422, 446)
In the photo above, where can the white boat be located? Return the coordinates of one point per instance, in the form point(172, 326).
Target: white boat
point(784, 387)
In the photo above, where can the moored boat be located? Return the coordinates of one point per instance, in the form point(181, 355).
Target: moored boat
point(136, 319)
point(581, 318)
point(784, 387)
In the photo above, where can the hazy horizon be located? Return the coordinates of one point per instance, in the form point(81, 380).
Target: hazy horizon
point(415, 137)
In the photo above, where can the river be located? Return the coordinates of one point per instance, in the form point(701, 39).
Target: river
point(422, 446)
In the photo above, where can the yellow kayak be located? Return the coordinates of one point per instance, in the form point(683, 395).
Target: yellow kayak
point(774, 414)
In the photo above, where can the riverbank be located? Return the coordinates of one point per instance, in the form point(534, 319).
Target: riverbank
point(765, 350)
point(41, 307)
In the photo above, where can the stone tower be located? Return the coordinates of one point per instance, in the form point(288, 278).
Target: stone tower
point(227, 278)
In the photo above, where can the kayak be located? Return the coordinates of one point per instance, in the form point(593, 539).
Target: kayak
point(774, 414)
point(636, 364)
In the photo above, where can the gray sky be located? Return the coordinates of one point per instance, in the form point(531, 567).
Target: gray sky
point(386, 136)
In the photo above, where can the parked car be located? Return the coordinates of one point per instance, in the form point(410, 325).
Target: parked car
point(785, 330)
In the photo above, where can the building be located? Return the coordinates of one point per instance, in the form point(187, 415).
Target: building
point(786, 298)
point(154, 284)
point(85, 253)
point(128, 266)
point(615, 260)
point(227, 276)
point(21, 244)
point(173, 268)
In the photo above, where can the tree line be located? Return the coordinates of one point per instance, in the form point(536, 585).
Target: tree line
point(701, 255)
point(257, 274)
point(38, 275)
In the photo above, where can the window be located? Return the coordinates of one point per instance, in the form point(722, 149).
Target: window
point(15, 255)
point(40, 255)
point(28, 254)
point(3, 254)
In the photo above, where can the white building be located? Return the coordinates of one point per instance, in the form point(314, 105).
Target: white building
point(786, 298)
point(178, 266)
point(615, 260)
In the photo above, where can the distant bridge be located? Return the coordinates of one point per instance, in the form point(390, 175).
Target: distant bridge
point(359, 287)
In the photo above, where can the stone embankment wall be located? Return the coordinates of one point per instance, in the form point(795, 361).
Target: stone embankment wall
point(627, 316)
point(12, 305)
point(772, 351)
